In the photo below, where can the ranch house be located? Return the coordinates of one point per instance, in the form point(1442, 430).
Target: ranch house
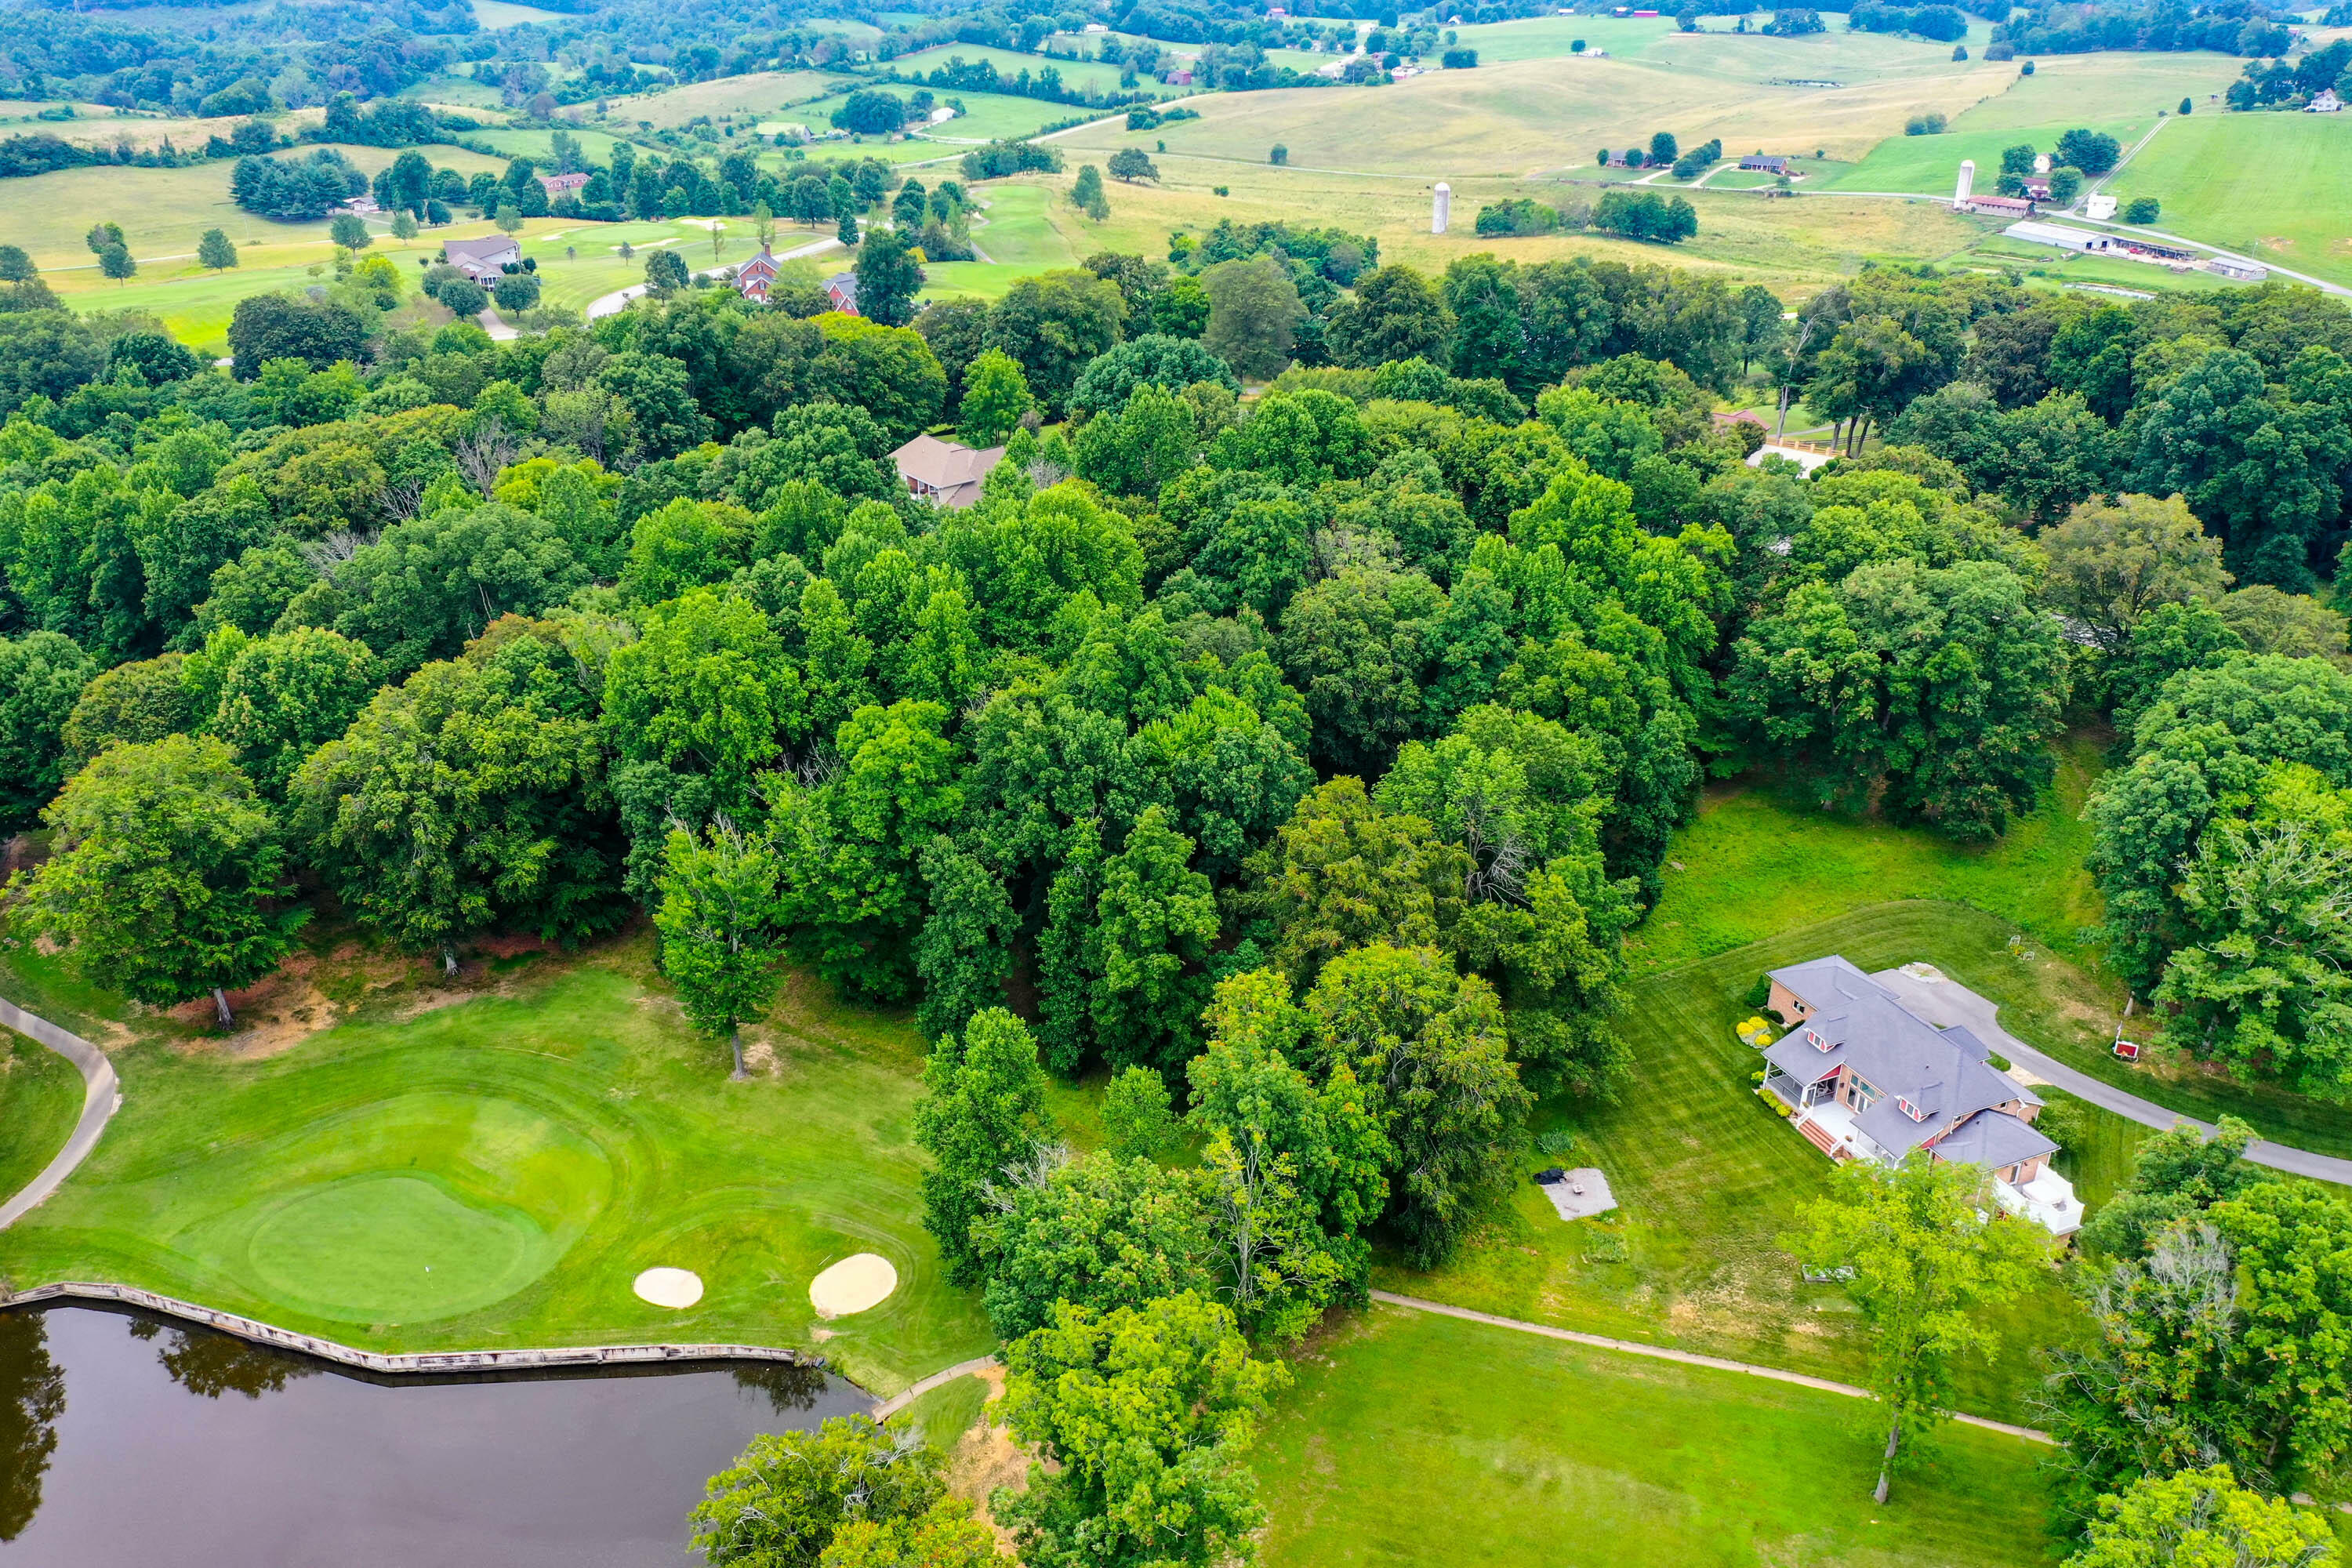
point(947, 473)
point(482, 259)
point(1765, 163)
point(1865, 1077)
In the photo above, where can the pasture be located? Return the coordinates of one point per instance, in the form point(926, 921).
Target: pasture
point(497, 1168)
point(1085, 76)
point(1520, 1449)
point(753, 95)
point(2297, 212)
point(163, 211)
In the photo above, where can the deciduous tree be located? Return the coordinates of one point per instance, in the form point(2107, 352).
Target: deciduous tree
point(1930, 1250)
point(718, 920)
point(983, 1113)
point(168, 875)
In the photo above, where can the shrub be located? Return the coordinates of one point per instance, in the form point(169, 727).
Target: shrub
point(2143, 209)
point(1458, 59)
point(1931, 123)
point(1516, 216)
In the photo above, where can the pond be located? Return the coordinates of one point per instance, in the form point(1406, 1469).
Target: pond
point(129, 1439)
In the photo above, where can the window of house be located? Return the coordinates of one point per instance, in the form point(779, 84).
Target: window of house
point(1866, 1093)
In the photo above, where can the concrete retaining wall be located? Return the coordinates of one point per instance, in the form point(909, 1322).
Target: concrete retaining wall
point(442, 1361)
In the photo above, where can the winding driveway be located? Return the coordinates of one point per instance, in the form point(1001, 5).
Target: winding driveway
point(101, 1096)
point(1944, 1002)
point(612, 304)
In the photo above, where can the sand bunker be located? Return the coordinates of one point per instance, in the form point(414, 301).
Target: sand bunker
point(853, 1285)
point(676, 1287)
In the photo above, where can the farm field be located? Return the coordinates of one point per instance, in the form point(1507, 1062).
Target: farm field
point(107, 127)
point(2299, 214)
point(1547, 115)
point(497, 13)
point(1798, 247)
point(1528, 1450)
point(41, 1098)
point(756, 94)
point(163, 211)
point(1086, 75)
point(195, 303)
point(498, 1169)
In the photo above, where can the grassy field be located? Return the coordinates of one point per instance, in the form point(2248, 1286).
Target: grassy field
point(40, 1099)
point(1751, 867)
point(1798, 247)
point(163, 211)
point(195, 303)
point(497, 13)
point(499, 1170)
point(1085, 76)
point(1707, 1178)
point(2298, 213)
point(755, 94)
point(1409, 1439)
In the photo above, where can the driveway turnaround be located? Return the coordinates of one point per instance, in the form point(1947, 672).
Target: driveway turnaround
point(1945, 1002)
point(101, 1095)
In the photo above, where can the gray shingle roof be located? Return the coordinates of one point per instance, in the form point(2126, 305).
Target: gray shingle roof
point(1940, 1073)
point(1991, 1139)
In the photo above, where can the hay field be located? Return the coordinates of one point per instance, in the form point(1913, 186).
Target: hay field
point(163, 211)
point(2277, 187)
point(104, 128)
point(1086, 75)
point(1797, 247)
point(497, 13)
point(756, 93)
point(1549, 116)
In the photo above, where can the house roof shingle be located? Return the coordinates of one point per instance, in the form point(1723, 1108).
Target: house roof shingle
point(1859, 1026)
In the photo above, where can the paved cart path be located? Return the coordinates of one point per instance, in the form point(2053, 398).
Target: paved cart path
point(101, 1095)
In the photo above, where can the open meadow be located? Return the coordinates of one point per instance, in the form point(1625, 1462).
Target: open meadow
point(1414, 1440)
point(2296, 212)
point(163, 211)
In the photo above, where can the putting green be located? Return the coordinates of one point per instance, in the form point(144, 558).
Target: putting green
point(395, 1248)
point(500, 1171)
point(421, 1207)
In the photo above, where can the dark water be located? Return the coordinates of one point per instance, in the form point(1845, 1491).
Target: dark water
point(126, 1440)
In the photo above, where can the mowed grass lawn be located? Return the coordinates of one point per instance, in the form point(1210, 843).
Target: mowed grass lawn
point(497, 1172)
point(1709, 1179)
point(2297, 214)
point(1409, 1439)
point(40, 1099)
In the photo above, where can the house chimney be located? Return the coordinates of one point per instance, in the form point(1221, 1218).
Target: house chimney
point(1968, 178)
point(1439, 208)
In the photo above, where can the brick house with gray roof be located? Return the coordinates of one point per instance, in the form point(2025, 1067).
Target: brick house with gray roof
point(1865, 1077)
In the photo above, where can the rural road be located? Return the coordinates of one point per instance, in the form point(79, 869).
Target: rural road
point(1944, 1003)
point(612, 304)
point(1685, 1357)
point(101, 1096)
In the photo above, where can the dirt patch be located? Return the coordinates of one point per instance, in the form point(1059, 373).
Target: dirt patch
point(986, 1457)
point(313, 992)
point(760, 1056)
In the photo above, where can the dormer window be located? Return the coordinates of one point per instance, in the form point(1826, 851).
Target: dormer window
point(1813, 1039)
point(1909, 1110)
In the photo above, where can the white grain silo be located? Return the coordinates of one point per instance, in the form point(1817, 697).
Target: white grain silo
point(1968, 178)
point(1441, 206)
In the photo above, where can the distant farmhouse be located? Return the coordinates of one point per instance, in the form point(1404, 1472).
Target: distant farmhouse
point(562, 185)
point(2324, 101)
point(1768, 162)
point(757, 276)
